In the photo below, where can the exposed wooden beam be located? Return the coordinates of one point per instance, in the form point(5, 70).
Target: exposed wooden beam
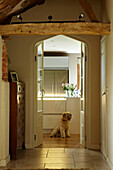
point(7, 9)
point(56, 29)
point(7, 6)
point(88, 10)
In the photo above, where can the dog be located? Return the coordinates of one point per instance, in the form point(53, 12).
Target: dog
point(62, 130)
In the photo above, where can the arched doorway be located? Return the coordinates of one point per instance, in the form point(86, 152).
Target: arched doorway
point(83, 76)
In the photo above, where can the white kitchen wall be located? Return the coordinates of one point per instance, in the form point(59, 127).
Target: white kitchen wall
point(58, 62)
point(73, 68)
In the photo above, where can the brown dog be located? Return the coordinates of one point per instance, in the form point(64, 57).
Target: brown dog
point(63, 127)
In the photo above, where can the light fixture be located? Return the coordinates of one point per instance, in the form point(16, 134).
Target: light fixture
point(81, 16)
point(19, 17)
point(50, 17)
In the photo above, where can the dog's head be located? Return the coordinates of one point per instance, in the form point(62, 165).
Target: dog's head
point(66, 116)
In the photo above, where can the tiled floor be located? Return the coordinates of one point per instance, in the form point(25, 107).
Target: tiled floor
point(59, 153)
point(57, 158)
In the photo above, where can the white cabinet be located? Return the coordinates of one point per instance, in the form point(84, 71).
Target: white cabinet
point(53, 110)
point(73, 106)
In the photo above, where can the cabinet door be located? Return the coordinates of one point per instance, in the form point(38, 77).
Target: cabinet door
point(60, 77)
point(49, 83)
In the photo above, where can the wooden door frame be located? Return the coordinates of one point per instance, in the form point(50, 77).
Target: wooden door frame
point(106, 128)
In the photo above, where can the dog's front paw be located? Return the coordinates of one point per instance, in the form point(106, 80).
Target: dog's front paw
point(68, 136)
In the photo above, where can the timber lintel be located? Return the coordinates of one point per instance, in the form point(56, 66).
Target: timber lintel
point(83, 28)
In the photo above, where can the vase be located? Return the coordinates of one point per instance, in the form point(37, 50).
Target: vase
point(67, 93)
point(72, 93)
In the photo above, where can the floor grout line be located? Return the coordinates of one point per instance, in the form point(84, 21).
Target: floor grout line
point(47, 153)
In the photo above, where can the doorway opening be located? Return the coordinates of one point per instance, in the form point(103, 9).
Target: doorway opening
point(60, 86)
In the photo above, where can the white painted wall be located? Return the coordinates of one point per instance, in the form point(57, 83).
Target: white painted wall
point(21, 57)
point(4, 116)
point(107, 15)
point(73, 68)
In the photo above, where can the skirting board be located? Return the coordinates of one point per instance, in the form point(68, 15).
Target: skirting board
point(109, 163)
point(5, 161)
point(28, 146)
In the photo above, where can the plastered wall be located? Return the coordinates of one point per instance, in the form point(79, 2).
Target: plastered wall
point(4, 116)
point(107, 11)
point(22, 59)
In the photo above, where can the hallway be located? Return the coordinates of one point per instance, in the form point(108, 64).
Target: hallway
point(57, 153)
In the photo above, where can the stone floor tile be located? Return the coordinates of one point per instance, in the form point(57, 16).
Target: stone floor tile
point(84, 164)
point(52, 160)
point(101, 164)
point(98, 158)
point(16, 165)
point(59, 155)
point(57, 166)
point(33, 165)
point(56, 150)
point(82, 158)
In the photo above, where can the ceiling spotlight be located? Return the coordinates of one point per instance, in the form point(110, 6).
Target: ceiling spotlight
point(50, 17)
point(19, 17)
point(81, 16)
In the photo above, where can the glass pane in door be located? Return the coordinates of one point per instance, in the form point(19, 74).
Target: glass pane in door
point(39, 78)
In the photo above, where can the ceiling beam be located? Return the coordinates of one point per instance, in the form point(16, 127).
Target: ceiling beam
point(88, 10)
point(56, 29)
point(14, 7)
